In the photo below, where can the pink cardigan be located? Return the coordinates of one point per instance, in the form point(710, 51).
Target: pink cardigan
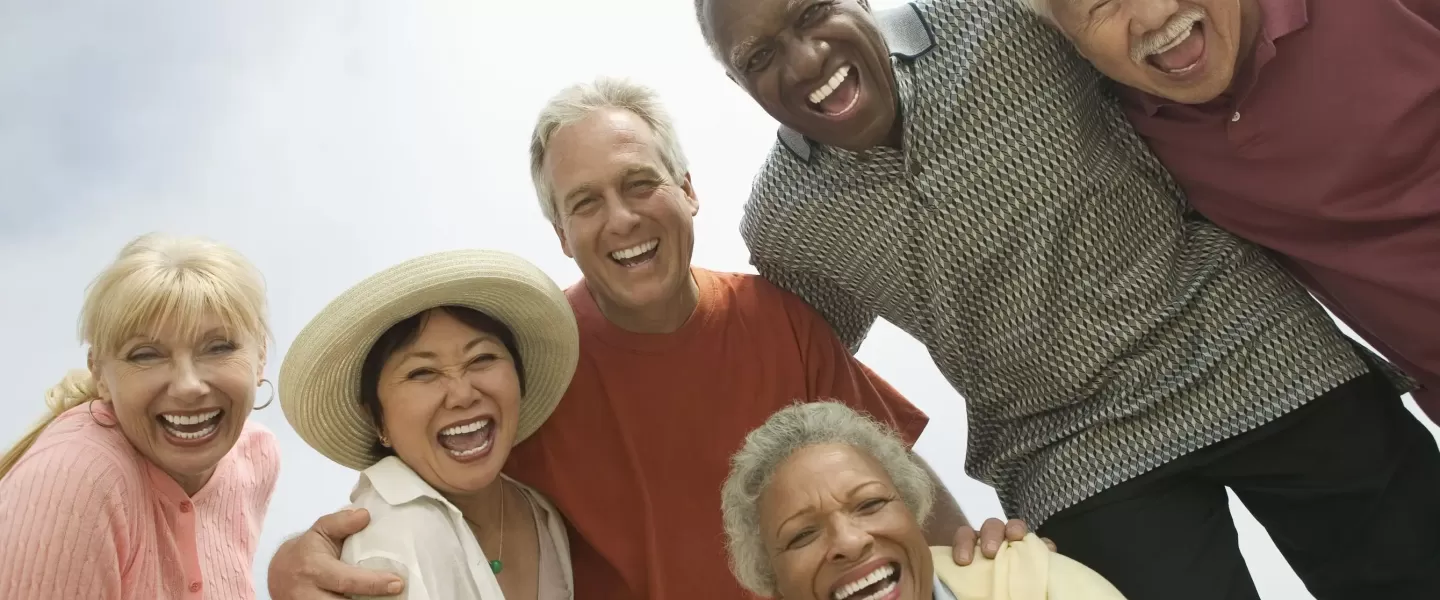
point(84, 516)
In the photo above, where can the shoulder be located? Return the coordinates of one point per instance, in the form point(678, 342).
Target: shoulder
point(755, 294)
point(401, 531)
point(78, 450)
point(257, 455)
point(84, 474)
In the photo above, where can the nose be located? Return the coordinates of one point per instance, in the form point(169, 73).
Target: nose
point(459, 392)
point(849, 542)
point(805, 60)
point(621, 218)
point(186, 382)
point(1149, 15)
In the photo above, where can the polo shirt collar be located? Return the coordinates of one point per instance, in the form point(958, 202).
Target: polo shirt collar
point(1278, 18)
point(908, 36)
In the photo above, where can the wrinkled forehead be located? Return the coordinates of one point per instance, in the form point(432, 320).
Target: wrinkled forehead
point(599, 148)
point(820, 479)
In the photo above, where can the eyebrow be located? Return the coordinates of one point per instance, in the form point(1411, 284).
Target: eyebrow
point(484, 337)
point(810, 509)
point(737, 54)
point(586, 188)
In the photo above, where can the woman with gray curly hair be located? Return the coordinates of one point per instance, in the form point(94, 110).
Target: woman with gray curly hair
point(825, 503)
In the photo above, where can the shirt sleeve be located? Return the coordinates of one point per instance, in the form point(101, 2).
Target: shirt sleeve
point(847, 317)
point(63, 525)
point(833, 372)
point(418, 546)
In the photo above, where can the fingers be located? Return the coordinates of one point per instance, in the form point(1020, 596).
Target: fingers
point(963, 548)
point(1050, 544)
point(332, 575)
point(992, 533)
point(1015, 530)
point(335, 527)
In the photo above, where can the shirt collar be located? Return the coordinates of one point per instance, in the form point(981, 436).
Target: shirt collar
point(1278, 18)
point(397, 483)
point(908, 36)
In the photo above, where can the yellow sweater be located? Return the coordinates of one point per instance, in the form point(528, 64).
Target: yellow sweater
point(1025, 570)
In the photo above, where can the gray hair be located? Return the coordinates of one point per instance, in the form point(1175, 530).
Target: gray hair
point(580, 100)
point(785, 433)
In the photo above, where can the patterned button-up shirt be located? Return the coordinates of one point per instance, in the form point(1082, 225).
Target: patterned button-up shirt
point(1095, 326)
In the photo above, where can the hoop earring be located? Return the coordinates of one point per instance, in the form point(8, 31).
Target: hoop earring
point(272, 394)
point(90, 406)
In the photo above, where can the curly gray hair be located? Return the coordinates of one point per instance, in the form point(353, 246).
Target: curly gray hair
point(784, 433)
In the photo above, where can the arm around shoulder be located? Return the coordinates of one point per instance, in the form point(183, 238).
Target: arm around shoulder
point(68, 508)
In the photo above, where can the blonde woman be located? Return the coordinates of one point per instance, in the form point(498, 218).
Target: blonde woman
point(422, 377)
point(147, 481)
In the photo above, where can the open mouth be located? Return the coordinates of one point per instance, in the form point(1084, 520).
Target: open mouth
point(839, 95)
point(468, 440)
point(881, 583)
point(191, 427)
point(1184, 48)
point(636, 255)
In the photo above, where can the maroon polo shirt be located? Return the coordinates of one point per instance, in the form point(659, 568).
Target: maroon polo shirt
point(1327, 150)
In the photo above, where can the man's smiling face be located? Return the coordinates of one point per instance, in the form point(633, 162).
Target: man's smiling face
point(1182, 50)
point(819, 67)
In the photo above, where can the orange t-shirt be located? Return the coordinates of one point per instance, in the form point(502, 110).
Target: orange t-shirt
point(635, 455)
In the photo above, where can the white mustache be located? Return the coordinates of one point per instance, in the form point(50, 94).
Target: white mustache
point(1178, 25)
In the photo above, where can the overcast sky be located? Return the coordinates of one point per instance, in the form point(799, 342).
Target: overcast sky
point(328, 139)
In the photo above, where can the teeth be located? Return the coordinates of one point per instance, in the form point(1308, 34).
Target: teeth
point(825, 90)
point(190, 419)
point(849, 589)
point(471, 452)
point(1175, 42)
point(469, 428)
point(634, 251)
point(195, 435)
point(882, 592)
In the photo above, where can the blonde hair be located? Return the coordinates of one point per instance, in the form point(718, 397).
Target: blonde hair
point(156, 282)
point(579, 101)
point(788, 431)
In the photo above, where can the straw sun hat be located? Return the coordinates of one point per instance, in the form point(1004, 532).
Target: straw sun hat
point(320, 377)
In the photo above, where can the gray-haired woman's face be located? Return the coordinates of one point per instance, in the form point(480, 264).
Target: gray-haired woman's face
point(836, 528)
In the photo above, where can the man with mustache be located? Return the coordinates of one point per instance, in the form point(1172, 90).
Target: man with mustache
point(1306, 126)
point(677, 364)
point(956, 168)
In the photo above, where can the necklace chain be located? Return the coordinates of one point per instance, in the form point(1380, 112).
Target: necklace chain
point(499, 563)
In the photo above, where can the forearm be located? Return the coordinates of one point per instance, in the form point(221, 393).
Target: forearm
point(945, 514)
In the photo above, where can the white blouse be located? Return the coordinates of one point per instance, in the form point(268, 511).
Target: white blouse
point(417, 534)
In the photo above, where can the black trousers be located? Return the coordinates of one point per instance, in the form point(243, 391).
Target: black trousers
point(1348, 487)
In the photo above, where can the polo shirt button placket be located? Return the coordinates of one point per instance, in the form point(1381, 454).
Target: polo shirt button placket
point(195, 587)
point(185, 506)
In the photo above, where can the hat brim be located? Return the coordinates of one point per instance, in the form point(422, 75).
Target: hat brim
point(320, 376)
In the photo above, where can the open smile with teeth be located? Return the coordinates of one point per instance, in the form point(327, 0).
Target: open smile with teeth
point(838, 94)
point(1183, 51)
point(191, 426)
point(877, 584)
point(636, 255)
point(468, 440)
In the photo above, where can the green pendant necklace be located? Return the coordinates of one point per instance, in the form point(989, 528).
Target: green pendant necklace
point(498, 564)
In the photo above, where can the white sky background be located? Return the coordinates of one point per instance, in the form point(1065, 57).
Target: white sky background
point(328, 139)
